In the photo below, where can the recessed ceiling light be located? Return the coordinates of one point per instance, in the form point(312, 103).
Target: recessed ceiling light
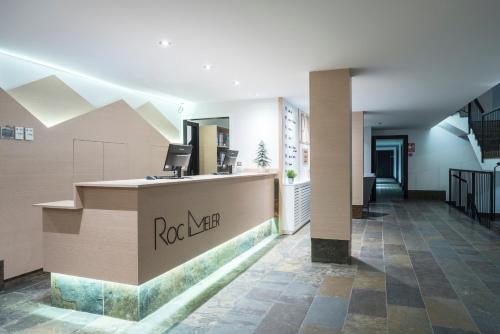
point(257, 94)
point(164, 43)
point(236, 83)
point(207, 67)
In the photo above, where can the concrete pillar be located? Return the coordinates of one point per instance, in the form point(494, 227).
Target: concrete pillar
point(330, 125)
point(357, 164)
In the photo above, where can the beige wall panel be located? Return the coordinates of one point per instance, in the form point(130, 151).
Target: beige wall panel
point(102, 242)
point(115, 164)
point(357, 158)
point(87, 161)
point(158, 156)
point(42, 170)
point(330, 112)
point(241, 203)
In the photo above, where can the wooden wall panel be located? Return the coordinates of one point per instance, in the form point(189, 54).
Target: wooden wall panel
point(115, 164)
point(357, 158)
point(87, 161)
point(158, 155)
point(43, 170)
point(331, 112)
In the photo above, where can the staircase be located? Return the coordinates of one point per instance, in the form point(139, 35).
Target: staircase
point(477, 193)
point(486, 128)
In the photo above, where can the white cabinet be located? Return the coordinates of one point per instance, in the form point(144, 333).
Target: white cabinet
point(296, 206)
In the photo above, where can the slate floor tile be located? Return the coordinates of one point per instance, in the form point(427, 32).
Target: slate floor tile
point(318, 330)
point(368, 302)
point(298, 293)
point(449, 313)
point(407, 320)
point(361, 324)
point(282, 318)
point(404, 295)
point(444, 330)
point(327, 312)
point(370, 280)
point(371, 264)
point(264, 294)
point(336, 287)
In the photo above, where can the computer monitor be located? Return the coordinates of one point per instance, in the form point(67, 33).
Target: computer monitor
point(177, 158)
point(230, 159)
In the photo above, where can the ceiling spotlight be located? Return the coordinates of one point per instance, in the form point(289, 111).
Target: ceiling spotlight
point(236, 83)
point(257, 94)
point(164, 43)
point(207, 67)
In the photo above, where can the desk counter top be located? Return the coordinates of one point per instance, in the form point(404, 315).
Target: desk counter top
point(143, 183)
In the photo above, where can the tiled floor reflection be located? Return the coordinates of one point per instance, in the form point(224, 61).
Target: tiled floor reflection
point(420, 267)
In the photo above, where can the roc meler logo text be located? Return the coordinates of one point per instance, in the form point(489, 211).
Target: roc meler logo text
point(168, 235)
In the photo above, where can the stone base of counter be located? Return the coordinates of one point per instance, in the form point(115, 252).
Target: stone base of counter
point(136, 302)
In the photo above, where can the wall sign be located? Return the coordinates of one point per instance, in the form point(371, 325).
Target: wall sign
point(7, 132)
point(28, 134)
point(168, 235)
point(290, 138)
point(16, 132)
point(19, 135)
point(411, 149)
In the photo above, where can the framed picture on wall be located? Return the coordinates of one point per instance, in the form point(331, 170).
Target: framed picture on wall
point(7, 132)
point(305, 156)
point(304, 128)
point(28, 134)
point(19, 133)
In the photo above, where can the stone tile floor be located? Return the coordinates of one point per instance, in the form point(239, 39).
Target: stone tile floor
point(418, 267)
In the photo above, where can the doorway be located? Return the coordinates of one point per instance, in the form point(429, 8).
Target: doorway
point(390, 164)
point(210, 140)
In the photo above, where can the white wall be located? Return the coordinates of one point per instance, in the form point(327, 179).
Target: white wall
point(250, 121)
point(367, 140)
point(437, 150)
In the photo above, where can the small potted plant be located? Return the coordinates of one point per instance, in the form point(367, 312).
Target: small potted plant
point(291, 175)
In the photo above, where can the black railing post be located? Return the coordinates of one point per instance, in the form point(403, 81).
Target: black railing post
point(473, 194)
point(459, 189)
point(492, 199)
point(483, 144)
point(449, 185)
point(469, 115)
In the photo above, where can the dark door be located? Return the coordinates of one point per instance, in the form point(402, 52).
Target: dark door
point(385, 164)
point(192, 137)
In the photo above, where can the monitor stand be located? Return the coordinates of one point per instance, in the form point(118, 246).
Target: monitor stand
point(177, 175)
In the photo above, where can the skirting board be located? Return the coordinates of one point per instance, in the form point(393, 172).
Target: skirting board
point(357, 211)
point(438, 195)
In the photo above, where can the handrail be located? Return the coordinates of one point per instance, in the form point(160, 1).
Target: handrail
point(491, 112)
point(470, 170)
point(459, 178)
point(472, 192)
point(479, 106)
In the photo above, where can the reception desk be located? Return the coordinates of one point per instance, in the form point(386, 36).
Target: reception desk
point(124, 248)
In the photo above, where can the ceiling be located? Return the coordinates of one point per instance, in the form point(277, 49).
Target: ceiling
point(414, 61)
